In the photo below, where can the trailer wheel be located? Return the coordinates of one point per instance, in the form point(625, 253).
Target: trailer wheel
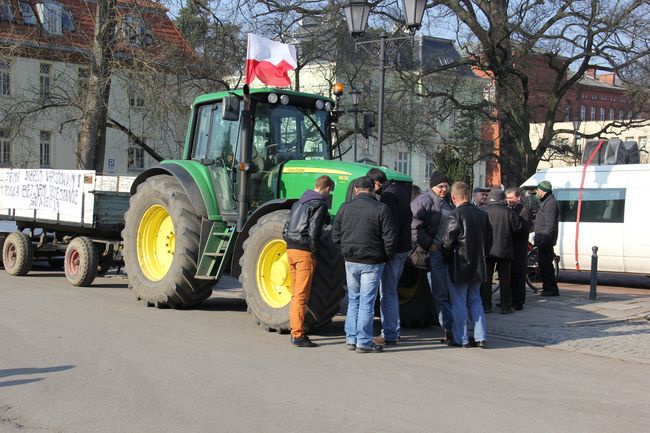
point(2, 244)
point(17, 254)
point(267, 283)
point(161, 245)
point(80, 263)
point(416, 308)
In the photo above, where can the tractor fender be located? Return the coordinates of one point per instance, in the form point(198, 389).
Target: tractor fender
point(266, 208)
point(183, 177)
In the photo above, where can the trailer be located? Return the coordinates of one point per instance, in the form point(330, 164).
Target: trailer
point(71, 218)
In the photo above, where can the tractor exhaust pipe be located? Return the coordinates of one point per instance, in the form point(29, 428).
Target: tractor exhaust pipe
point(245, 163)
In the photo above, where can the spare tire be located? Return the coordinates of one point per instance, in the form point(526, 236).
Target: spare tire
point(267, 283)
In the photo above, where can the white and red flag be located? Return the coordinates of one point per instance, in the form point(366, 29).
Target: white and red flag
point(269, 61)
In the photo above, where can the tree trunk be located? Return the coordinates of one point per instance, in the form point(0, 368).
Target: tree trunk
point(92, 131)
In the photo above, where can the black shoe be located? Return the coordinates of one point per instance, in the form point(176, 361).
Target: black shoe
point(519, 307)
point(454, 344)
point(549, 293)
point(507, 311)
point(448, 338)
point(382, 341)
point(487, 310)
point(303, 341)
point(373, 348)
point(481, 344)
point(350, 346)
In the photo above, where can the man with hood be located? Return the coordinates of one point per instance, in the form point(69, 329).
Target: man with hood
point(302, 234)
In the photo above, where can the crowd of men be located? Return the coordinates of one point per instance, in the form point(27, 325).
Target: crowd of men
point(459, 237)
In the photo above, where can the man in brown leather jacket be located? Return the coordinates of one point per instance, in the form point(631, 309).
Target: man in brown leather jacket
point(466, 241)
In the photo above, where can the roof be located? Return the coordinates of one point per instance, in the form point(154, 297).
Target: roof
point(22, 35)
point(591, 82)
point(433, 53)
point(209, 97)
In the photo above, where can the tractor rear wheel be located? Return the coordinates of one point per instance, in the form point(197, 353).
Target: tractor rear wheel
point(267, 282)
point(80, 263)
point(416, 306)
point(161, 245)
point(17, 254)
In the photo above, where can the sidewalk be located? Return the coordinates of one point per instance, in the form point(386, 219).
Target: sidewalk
point(614, 326)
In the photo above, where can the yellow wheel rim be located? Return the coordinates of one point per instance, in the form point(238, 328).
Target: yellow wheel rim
point(273, 277)
point(156, 242)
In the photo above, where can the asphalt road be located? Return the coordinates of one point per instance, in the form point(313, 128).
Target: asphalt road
point(94, 360)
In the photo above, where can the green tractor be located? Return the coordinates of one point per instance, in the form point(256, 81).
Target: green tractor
point(249, 154)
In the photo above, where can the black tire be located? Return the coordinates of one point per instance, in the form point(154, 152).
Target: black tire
point(416, 307)
point(3, 236)
point(17, 254)
point(328, 282)
point(177, 288)
point(80, 264)
point(533, 275)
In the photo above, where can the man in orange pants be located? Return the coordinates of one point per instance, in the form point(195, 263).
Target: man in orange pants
point(302, 234)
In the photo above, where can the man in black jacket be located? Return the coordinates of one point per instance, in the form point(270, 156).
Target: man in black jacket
point(504, 223)
point(546, 230)
point(466, 242)
point(302, 233)
point(519, 265)
point(364, 229)
point(397, 200)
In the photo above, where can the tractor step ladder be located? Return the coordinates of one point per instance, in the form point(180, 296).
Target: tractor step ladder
point(216, 253)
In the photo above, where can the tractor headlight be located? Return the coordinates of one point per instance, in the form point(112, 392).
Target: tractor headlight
point(319, 104)
point(328, 106)
point(284, 99)
point(272, 98)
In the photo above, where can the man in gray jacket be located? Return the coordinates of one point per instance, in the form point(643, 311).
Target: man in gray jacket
point(546, 230)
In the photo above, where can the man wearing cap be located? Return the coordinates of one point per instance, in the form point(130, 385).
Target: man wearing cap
point(430, 209)
point(519, 264)
point(365, 231)
point(504, 223)
point(480, 197)
point(396, 198)
point(546, 231)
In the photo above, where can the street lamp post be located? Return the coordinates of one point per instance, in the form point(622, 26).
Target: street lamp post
point(576, 127)
point(355, 95)
point(357, 13)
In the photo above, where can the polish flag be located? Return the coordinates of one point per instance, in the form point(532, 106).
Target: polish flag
point(269, 61)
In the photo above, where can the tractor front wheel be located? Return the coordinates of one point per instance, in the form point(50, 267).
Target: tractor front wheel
point(266, 279)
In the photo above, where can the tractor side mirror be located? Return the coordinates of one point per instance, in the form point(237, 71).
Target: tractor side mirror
point(230, 108)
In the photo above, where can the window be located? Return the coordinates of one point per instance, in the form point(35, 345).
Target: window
point(567, 113)
point(583, 112)
point(5, 148)
point(136, 97)
point(612, 114)
point(50, 15)
point(135, 32)
point(452, 119)
point(45, 80)
point(67, 20)
point(28, 13)
point(6, 11)
point(643, 141)
point(402, 163)
point(602, 114)
point(593, 113)
point(136, 156)
point(5, 77)
point(428, 170)
point(620, 115)
point(45, 148)
point(598, 205)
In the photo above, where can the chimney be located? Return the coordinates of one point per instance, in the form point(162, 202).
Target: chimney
point(608, 78)
point(591, 72)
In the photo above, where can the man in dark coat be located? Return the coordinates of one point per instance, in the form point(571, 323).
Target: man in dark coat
point(364, 229)
point(504, 223)
point(430, 209)
point(519, 265)
point(302, 234)
point(466, 242)
point(546, 231)
point(396, 198)
point(480, 197)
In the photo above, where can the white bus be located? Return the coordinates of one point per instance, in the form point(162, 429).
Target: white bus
point(615, 215)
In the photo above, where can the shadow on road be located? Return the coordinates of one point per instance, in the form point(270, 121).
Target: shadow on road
point(26, 371)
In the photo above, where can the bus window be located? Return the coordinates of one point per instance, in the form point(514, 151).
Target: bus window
point(598, 205)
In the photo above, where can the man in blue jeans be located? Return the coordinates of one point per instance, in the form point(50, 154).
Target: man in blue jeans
point(397, 200)
point(429, 212)
point(365, 231)
point(466, 240)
